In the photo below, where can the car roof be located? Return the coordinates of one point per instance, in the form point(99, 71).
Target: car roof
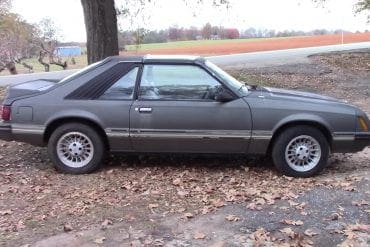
point(158, 58)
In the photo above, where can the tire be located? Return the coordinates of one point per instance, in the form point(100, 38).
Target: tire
point(83, 150)
point(300, 151)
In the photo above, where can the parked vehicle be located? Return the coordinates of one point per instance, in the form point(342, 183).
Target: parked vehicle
point(177, 104)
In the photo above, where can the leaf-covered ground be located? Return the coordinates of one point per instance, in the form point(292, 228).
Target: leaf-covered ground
point(197, 201)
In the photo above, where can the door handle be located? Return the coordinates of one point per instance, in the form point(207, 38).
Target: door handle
point(145, 109)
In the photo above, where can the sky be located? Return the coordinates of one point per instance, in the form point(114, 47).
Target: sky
point(271, 14)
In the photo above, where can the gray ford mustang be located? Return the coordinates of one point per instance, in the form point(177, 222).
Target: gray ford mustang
point(177, 104)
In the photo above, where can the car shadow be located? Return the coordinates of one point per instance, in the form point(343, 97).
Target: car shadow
point(188, 160)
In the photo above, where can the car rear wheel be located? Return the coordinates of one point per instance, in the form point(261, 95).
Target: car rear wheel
point(300, 151)
point(76, 148)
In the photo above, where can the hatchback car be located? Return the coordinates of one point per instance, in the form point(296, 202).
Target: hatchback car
point(177, 104)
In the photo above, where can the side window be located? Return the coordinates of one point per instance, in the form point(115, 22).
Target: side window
point(123, 88)
point(177, 82)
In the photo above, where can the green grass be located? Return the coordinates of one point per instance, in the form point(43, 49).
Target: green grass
point(190, 43)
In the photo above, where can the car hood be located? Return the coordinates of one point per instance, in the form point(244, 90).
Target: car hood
point(301, 95)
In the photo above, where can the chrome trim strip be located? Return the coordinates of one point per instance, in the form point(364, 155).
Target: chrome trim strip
point(117, 132)
point(192, 134)
point(199, 136)
point(261, 135)
point(344, 136)
point(118, 135)
point(27, 129)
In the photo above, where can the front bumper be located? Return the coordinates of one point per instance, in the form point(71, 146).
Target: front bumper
point(351, 142)
point(363, 136)
point(362, 139)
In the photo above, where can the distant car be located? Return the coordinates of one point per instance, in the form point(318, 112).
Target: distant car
point(177, 104)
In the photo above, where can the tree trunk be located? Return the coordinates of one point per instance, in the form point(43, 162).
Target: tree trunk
point(41, 60)
point(101, 29)
point(11, 67)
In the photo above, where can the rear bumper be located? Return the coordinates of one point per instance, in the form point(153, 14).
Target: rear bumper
point(27, 135)
point(6, 132)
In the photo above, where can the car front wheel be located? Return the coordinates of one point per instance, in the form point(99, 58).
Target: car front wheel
point(76, 148)
point(300, 151)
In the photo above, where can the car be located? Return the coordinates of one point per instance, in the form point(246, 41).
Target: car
point(177, 104)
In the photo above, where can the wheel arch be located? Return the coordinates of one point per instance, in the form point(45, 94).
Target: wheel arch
point(320, 125)
point(55, 123)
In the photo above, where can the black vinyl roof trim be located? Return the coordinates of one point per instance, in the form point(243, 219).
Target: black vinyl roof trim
point(96, 86)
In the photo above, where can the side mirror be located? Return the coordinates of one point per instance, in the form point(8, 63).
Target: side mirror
point(223, 95)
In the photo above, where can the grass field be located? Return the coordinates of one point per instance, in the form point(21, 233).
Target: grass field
point(192, 43)
point(222, 47)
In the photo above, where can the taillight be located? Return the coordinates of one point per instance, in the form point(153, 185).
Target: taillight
point(5, 112)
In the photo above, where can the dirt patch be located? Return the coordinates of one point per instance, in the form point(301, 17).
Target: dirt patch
point(260, 45)
point(195, 200)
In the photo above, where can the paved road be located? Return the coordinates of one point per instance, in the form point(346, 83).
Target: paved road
point(14, 79)
point(254, 59)
point(280, 57)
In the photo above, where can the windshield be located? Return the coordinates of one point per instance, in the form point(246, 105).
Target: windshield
point(231, 81)
point(81, 72)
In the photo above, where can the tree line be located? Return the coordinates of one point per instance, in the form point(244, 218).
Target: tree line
point(20, 40)
point(207, 32)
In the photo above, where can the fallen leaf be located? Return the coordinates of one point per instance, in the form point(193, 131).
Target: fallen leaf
point(176, 181)
point(292, 222)
point(310, 233)
point(360, 228)
point(154, 205)
point(20, 225)
point(181, 210)
point(260, 236)
point(67, 228)
point(292, 203)
point(182, 193)
point(232, 217)
point(360, 203)
point(219, 203)
point(99, 240)
point(246, 169)
point(260, 201)
point(218, 244)
point(105, 224)
point(6, 212)
point(289, 232)
point(335, 216)
point(253, 206)
point(188, 215)
point(199, 235)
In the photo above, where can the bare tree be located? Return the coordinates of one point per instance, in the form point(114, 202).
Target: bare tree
point(5, 6)
point(101, 25)
point(17, 41)
point(50, 34)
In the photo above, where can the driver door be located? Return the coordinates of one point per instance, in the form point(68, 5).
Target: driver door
point(176, 112)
